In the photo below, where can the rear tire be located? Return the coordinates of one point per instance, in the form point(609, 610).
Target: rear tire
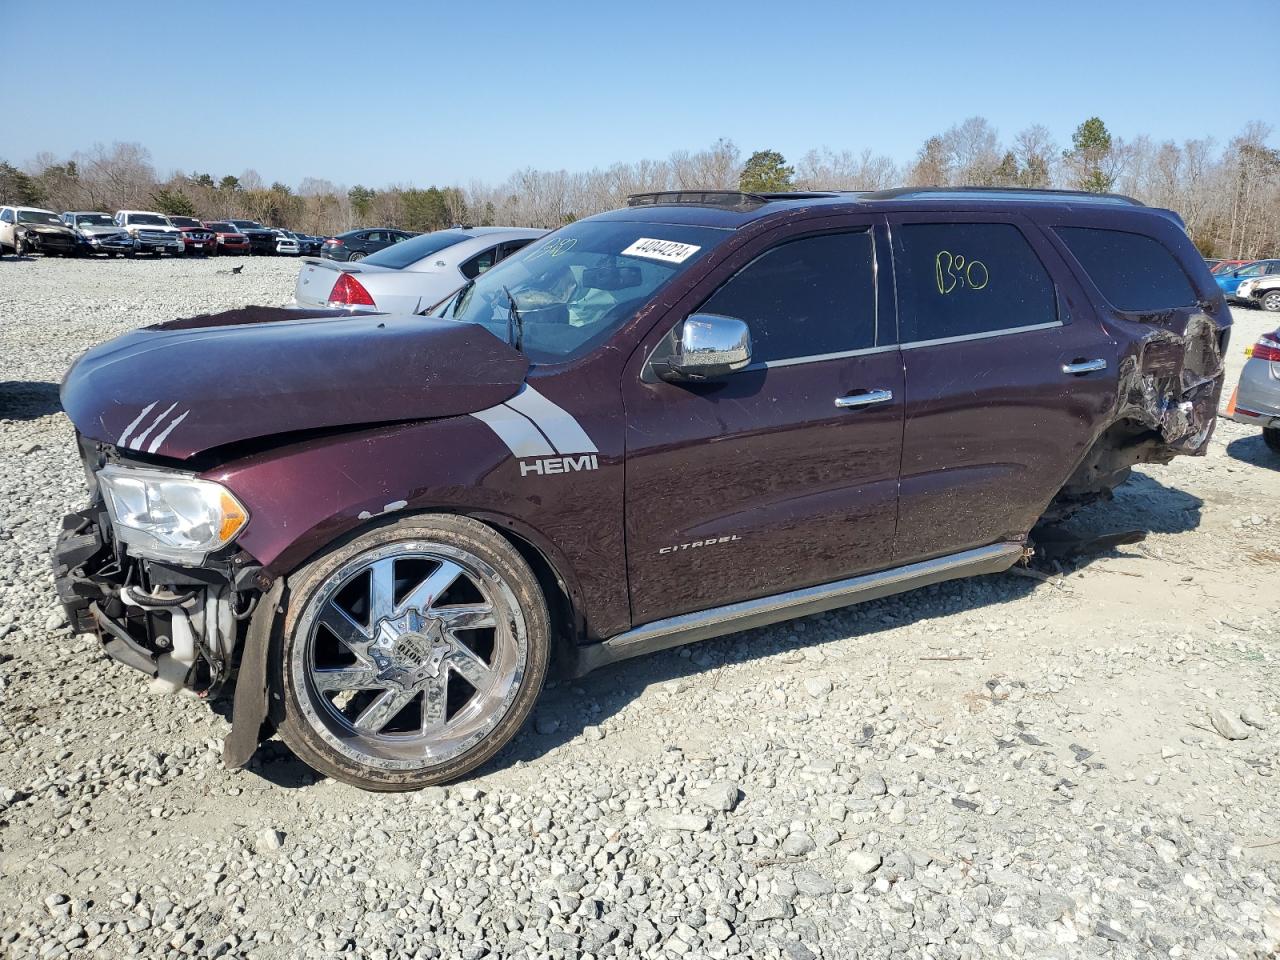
point(1271, 437)
point(356, 257)
point(1271, 301)
point(437, 652)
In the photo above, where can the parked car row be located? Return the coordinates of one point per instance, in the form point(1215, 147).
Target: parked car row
point(1255, 284)
point(128, 233)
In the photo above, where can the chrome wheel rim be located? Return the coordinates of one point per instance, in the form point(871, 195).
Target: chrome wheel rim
point(1271, 302)
point(408, 655)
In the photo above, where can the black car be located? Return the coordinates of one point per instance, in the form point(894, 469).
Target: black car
point(358, 244)
point(261, 239)
point(308, 245)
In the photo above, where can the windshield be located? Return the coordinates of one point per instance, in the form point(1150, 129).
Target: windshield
point(94, 220)
point(574, 287)
point(39, 216)
point(400, 255)
point(147, 220)
point(248, 225)
point(185, 222)
point(221, 227)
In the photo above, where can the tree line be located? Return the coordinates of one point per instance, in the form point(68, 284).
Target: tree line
point(1229, 195)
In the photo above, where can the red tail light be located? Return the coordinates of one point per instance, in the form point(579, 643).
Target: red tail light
point(349, 292)
point(1268, 347)
point(333, 242)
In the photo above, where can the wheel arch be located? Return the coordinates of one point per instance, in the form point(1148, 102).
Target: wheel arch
point(556, 576)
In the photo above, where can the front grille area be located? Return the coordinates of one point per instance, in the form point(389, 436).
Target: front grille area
point(155, 236)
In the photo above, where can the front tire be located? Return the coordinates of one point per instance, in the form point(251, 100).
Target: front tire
point(1271, 301)
point(1271, 437)
point(411, 654)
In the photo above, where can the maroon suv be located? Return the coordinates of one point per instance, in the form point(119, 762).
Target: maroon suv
point(198, 239)
point(699, 414)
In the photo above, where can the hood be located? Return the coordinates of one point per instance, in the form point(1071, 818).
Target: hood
point(153, 228)
point(48, 228)
point(187, 386)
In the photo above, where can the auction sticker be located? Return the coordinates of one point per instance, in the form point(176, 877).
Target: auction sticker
point(668, 251)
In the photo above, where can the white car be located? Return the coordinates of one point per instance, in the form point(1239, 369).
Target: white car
point(409, 276)
point(153, 231)
point(287, 243)
point(1261, 292)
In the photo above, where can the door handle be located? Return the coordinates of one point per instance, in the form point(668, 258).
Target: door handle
point(1077, 367)
point(864, 399)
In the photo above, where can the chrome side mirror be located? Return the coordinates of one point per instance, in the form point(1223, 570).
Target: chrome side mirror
point(708, 346)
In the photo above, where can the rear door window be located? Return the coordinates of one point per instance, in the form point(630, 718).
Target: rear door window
point(805, 298)
point(968, 279)
point(1133, 271)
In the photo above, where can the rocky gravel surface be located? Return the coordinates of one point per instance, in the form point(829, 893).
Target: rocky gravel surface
point(1081, 765)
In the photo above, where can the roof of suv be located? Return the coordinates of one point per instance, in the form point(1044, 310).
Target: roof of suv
point(729, 208)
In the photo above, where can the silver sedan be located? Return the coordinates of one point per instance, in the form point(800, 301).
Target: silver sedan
point(409, 276)
point(1256, 400)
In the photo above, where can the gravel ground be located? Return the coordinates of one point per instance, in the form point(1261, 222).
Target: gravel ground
point(996, 767)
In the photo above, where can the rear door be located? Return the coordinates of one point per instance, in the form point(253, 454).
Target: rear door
point(760, 483)
point(1010, 376)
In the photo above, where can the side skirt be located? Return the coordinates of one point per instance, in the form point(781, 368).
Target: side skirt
point(747, 614)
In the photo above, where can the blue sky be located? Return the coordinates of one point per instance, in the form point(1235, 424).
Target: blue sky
point(423, 93)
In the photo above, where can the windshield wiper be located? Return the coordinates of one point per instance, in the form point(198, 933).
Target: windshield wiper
point(515, 323)
point(451, 302)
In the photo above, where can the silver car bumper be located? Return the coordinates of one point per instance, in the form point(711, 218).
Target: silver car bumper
point(1257, 400)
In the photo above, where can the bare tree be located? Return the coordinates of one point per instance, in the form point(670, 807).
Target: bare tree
point(1036, 154)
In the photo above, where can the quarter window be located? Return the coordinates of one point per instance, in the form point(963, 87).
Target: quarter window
point(805, 298)
point(967, 279)
point(1133, 271)
point(479, 263)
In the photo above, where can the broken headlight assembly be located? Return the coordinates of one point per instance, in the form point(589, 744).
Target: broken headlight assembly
point(171, 516)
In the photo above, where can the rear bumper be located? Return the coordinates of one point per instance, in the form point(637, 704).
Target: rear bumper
point(1258, 395)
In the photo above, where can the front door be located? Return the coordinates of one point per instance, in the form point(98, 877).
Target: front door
point(785, 474)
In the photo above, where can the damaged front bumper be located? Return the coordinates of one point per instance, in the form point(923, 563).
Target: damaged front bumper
point(179, 626)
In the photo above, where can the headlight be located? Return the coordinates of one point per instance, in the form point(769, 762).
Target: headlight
point(166, 515)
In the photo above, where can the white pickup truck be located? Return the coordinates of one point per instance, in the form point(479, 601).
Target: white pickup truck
point(153, 231)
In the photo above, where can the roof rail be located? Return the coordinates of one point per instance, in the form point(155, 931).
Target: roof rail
point(716, 198)
point(999, 193)
point(706, 198)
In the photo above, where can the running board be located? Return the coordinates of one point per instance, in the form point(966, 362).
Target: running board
point(718, 621)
